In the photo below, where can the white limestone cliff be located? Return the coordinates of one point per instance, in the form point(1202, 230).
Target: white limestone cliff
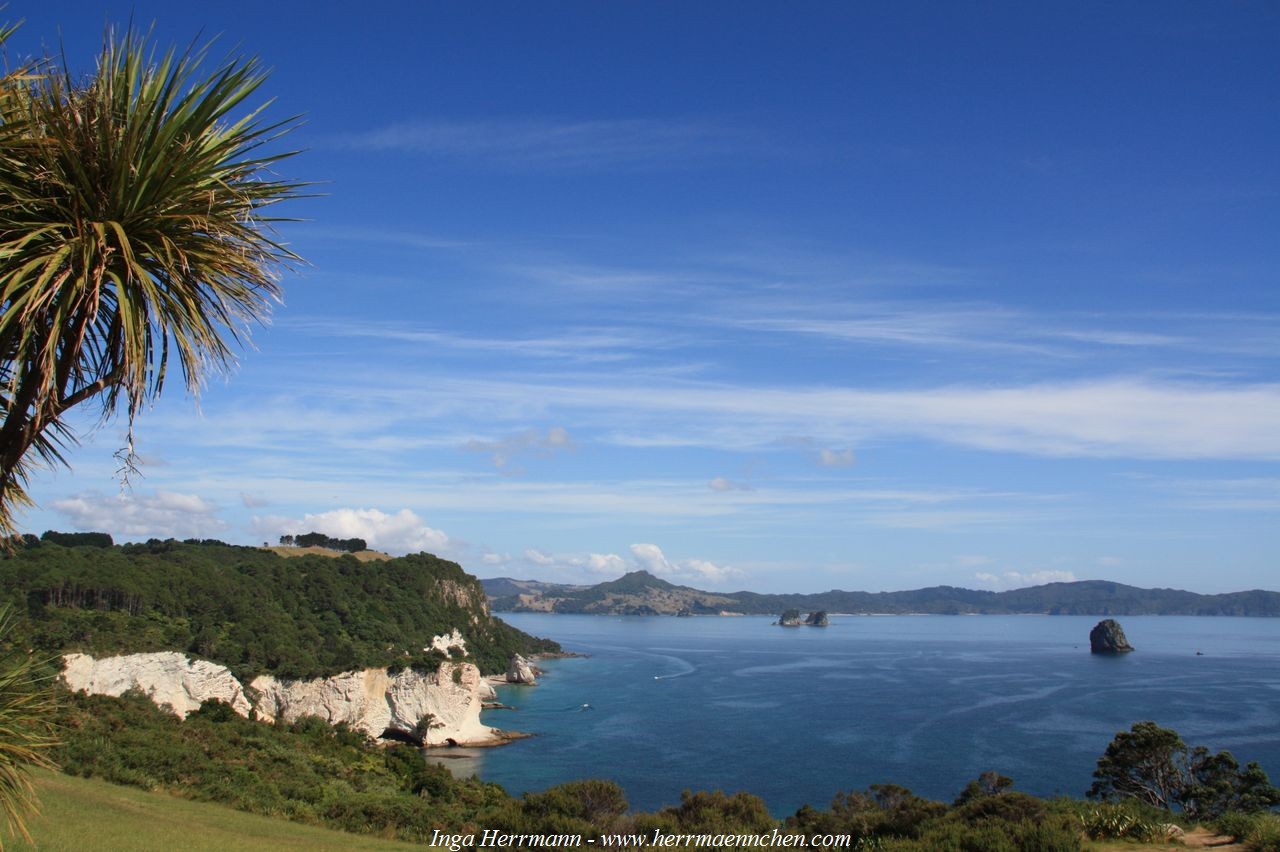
point(375, 701)
point(372, 700)
point(167, 677)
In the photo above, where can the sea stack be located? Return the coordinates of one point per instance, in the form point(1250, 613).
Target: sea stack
point(1107, 637)
point(817, 619)
point(520, 671)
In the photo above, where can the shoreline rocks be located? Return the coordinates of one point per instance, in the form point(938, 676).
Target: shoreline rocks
point(791, 618)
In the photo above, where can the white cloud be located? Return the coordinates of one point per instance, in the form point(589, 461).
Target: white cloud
point(253, 501)
point(652, 559)
point(537, 557)
point(835, 458)
point(720, 483)
point(161, 514)
point(606, 563)
point(573, 568)
point(1019, 580)
point(402, 532)
point(588, 568)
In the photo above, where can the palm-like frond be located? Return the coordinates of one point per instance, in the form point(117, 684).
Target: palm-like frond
point(133, 227)
point(26, 703)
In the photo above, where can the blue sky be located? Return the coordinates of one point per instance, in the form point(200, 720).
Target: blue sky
point(778, 296)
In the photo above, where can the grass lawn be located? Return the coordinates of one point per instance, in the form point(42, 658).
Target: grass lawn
point(78, 814)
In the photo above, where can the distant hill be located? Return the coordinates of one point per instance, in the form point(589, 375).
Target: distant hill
point(637, 593)
point(641, 593)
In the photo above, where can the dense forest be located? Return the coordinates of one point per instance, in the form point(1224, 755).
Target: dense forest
point(639, 592)
point(249, 609)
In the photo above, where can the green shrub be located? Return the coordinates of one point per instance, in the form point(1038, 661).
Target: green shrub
point(1265, 834)
point(1235, 824)
point(715, 813)
point(1121, 821)
point(1053, 834)
point(1005, 807)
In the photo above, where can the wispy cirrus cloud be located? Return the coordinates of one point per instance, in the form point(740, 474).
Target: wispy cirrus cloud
point(1239, 494)
point(1120, 417)
point(531, 441)
point(568, 345)
point(975, 327)
point(1133, 417)
point(549, 144)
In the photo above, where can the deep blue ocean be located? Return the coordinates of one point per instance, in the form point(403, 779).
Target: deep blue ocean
point(928, 702)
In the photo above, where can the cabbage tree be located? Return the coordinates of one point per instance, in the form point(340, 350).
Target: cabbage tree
point(135, 233)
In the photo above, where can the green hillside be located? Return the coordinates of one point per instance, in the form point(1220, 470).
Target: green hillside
point(252, 610)
point(83, 813)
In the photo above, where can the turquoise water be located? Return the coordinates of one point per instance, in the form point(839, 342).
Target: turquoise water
point(795, 714)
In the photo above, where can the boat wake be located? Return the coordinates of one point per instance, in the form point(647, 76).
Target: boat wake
point(687, 668)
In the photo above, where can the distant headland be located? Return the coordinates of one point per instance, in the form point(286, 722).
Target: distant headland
point(641, 593)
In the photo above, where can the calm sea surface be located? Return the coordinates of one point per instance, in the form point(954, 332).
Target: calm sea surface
point(795, 714)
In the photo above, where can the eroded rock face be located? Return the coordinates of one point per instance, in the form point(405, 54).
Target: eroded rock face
point(519, 670)
point(375, 701)
point(167, 677)
point(1107, 637)
point(372, 700)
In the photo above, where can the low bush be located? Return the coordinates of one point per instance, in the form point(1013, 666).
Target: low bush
point(1235, 824)
point(1264, 836)
point(1053, 834)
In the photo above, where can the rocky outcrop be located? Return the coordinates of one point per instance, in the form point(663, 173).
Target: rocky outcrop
point(446, 642)
point(373, 700)
point(519, 670)
point(376, 702)
point(168, 678)
point(1107, 637)
point(791, 618)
